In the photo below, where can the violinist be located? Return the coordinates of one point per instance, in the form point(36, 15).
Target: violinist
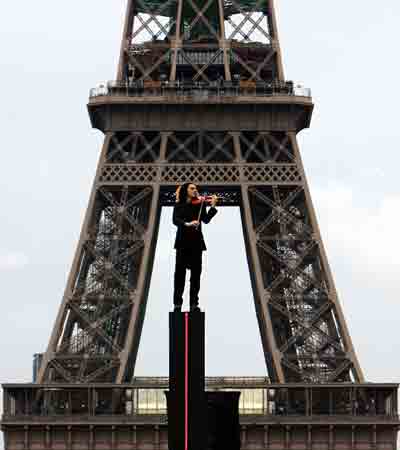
point(189, 211)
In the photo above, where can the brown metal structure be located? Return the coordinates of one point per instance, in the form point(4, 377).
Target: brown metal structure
point(200, 96)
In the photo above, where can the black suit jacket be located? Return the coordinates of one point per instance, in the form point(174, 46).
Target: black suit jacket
point(190, 237)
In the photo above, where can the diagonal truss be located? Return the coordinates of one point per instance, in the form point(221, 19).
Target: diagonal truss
point(163, 40)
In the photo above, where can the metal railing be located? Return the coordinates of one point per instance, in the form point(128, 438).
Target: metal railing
point(198, 89)
point(362, 401)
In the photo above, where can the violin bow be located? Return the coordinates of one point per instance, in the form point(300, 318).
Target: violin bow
point(201, 209)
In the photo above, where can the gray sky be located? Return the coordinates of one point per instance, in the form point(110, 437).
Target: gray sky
point(53, 52)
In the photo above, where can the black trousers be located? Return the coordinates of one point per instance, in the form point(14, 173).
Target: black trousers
point(187, 259)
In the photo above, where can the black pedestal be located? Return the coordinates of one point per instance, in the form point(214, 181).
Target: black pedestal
point(186, 399)
point(223, 427)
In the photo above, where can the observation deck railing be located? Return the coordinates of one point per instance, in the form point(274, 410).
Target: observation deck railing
point(199, 89)
point(146, 397)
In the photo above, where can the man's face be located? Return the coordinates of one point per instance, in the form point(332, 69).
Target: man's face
point(192, 191)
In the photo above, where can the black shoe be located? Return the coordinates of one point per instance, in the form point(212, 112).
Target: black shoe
point(177, 308)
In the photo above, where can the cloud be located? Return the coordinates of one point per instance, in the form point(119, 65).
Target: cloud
point(13, 261)
point(366, 235)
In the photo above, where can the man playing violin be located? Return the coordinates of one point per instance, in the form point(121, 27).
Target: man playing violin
point(189, 211)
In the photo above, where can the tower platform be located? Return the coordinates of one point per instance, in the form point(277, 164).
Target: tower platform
point(337, 416)
point(170, 106)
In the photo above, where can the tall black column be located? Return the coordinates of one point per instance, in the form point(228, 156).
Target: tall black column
point(187, 428)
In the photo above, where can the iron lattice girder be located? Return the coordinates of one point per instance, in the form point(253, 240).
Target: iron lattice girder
point(206, 40)
point(103, 295)
point(203, 174)
point(310, 333)
point(230, 8)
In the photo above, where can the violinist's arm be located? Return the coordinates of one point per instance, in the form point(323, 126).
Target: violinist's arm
point(177, 217)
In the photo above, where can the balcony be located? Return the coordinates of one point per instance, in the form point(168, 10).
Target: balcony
point(144, 401)
point(213, 106)
point(199, 90)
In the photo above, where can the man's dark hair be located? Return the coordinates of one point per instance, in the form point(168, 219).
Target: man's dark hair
point(183, 192)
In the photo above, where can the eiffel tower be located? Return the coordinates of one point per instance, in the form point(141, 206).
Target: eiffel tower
point(200, 97)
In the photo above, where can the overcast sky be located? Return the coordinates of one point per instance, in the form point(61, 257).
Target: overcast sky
point(52, 52)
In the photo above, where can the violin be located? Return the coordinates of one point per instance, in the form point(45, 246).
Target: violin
point(207, 199)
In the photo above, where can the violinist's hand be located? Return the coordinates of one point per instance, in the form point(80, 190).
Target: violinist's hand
point(214, 200)
point(194, 223)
